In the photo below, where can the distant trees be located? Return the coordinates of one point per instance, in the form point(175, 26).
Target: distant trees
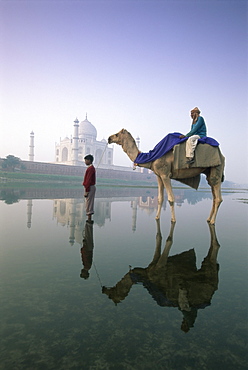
point(11, 163)
point(11, 196)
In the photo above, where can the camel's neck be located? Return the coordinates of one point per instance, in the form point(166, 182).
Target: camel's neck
point(130, 148)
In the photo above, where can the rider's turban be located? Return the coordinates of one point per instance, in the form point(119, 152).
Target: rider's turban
point(196, 110)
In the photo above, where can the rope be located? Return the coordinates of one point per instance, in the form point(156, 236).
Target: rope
point(102, 155)
point(93, 261)
point(97, 275)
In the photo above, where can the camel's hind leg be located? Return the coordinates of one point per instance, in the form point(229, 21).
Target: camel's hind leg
point(214, 245)
point(215, 176)
point(217, 199)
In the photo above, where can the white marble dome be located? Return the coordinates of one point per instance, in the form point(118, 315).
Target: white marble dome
point(87, 129)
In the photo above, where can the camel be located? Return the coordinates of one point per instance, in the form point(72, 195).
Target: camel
point(174, 281)
point(164, 170)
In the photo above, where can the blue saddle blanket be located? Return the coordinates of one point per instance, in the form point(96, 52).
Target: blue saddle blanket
point(166, 144)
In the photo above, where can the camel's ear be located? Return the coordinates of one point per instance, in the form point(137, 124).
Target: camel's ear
point(122, 131)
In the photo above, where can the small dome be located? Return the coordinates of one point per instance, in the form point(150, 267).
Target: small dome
point(87, 129)
point(66, 139)
point(103, 141)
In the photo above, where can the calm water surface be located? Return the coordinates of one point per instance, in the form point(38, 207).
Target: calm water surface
point(114, 295)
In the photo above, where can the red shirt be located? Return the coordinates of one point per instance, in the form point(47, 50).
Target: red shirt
point(89, 178)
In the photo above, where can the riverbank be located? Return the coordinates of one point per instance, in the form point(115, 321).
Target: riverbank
point(24, 180)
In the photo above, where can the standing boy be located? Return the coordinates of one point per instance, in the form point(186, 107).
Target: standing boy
point(89, 185)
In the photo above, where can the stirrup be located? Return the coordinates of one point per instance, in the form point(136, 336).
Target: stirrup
point(190, 161)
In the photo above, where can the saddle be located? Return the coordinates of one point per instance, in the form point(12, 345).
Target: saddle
point(205, 156)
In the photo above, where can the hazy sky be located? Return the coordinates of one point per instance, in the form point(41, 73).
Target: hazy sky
point(135, 64)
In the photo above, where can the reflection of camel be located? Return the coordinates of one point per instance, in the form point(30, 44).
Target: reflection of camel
point(164, 169)
point(174, 281)
point(87, 249)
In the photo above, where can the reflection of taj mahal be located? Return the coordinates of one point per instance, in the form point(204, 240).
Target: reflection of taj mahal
point(73, 150)
point(71, 213)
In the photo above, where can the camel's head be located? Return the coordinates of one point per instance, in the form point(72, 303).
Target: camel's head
point(117, 138)
point(111, 293)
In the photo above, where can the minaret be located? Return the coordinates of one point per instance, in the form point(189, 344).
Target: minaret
point(140, 169)
point(29, 212)
point(75, 143)
point(72, 220)
point(31, 147)
point(134, 206)
point(138, 141)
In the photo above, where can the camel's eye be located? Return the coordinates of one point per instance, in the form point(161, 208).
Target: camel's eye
point(116, 135)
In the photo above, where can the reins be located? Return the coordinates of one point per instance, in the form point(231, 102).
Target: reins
point(102, 155)
point(98, 276)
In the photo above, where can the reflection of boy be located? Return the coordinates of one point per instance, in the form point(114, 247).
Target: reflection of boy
point(87, 250)
point(89, 185)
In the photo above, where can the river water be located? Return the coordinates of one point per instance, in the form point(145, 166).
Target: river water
point(125, 292)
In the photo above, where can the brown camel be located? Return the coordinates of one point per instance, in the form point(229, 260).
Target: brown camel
point(164, 170)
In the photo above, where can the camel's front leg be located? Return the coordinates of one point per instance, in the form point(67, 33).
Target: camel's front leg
point(170, 195)
point(169, 241)
point(160, 197)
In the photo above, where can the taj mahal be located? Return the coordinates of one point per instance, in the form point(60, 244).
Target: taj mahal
point(71, 151)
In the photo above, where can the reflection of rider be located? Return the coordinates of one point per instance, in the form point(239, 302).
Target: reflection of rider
point(189, 318)
point(87, 249)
